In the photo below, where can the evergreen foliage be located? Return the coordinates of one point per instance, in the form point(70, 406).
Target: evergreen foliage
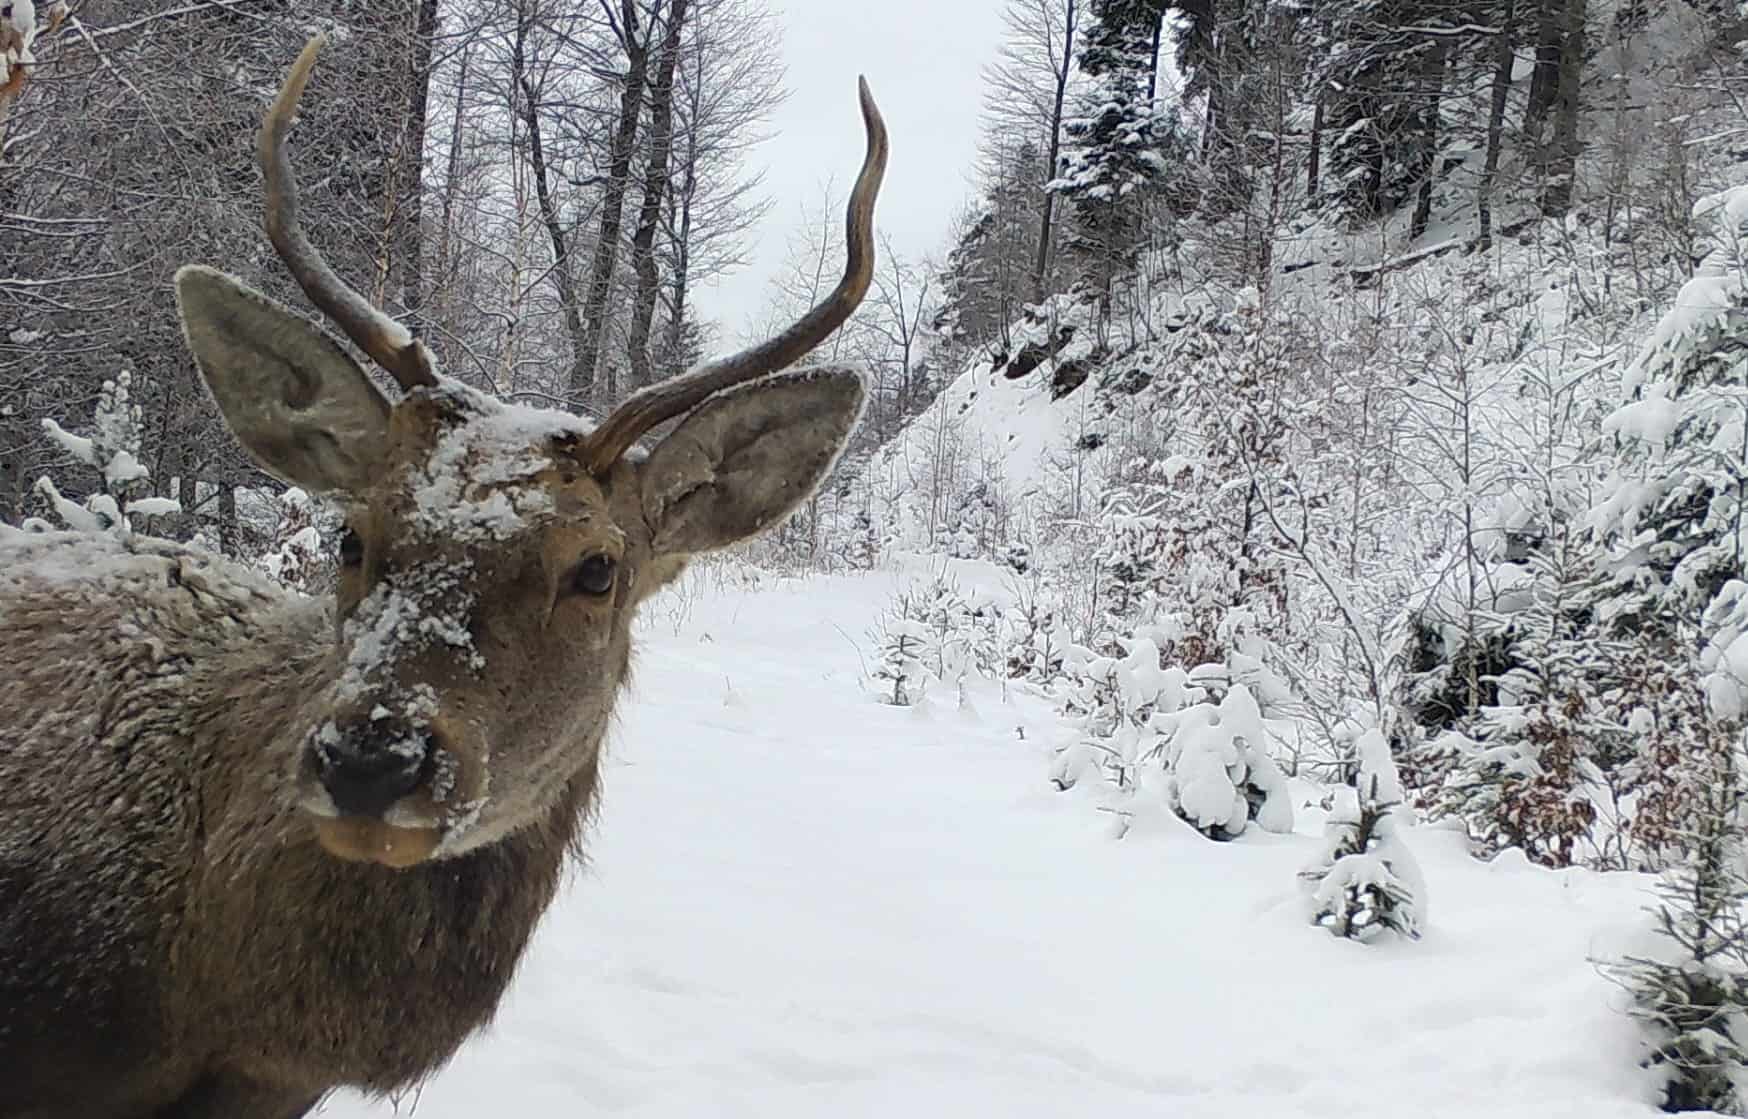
point(1112, 148)
point(1692, 999)
point(1366, 880)
point(122, 488)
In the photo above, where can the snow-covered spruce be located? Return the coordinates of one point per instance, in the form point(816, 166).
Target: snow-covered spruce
point(899, 674)
point(112, 450)
point(1673, 508)
point(1692, 996)
point(1366, 881)
point(1550, 765)
point(1193, 743)
point(934, 632)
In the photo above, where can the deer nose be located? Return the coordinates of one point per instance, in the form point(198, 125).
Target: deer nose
point(368, 766)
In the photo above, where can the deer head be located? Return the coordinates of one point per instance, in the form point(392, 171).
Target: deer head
point(494, 555)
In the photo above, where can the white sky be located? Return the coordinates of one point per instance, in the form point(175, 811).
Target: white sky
point(924, 61)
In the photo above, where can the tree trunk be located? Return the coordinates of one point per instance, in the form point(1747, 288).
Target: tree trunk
point(1503, 57)
point(1565, 145)
point(1153, 59)
point(585, 366)
point(1047, 212)
point(679, 282)
point(561, 257)
point(418, 105)
point(655, 189)
point(1545, 79)
point(227, 527)
point(440, 280)
point(1432, 85)
point(1314, 161)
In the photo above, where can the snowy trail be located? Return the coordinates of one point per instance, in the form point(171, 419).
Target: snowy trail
point(804, 903)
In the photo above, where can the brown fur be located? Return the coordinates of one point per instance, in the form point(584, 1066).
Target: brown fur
point(212, 903)
point(168, 924)
point(179, 935)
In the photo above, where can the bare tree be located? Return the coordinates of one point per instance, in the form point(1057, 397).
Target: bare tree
point(633, 29)
point(895, 317)
point(1499, 91)
point(108, 182)
point(413, 277)
point(1561, 155)
point(655, 191)
point(729, 84)
point(1027, 88)
point(526, 94)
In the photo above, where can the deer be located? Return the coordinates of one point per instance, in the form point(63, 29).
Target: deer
point(256, 847)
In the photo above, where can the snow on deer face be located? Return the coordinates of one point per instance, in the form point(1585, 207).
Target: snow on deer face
point(482, 614)
point(491, 563)
point(494, 554)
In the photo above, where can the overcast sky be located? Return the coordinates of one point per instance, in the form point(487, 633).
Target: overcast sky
point(923, 59)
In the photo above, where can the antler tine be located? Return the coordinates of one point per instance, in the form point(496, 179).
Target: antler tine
point(386, 341)
point(649, 406)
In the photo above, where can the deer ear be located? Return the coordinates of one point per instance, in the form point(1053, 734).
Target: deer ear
point(295, 400)
point(746, 458)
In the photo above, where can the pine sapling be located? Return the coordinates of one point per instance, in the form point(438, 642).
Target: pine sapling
point(1366, 882)
point(1691, 1001)
point(903, 646)
point(1221, 774)
point(113, 451)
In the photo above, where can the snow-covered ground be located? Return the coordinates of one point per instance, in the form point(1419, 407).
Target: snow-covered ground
point(802, 903)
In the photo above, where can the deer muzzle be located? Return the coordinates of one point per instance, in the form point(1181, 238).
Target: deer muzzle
point(368, 768)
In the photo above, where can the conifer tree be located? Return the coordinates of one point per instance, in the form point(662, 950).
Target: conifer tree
point(113, 452)
point(1539, 768)
point(1691, 1000)
point(1366, 880)
point(1112, 151)
point(1670, 518)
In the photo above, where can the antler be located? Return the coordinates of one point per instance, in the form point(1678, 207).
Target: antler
point(387, 342)
point(676, 396)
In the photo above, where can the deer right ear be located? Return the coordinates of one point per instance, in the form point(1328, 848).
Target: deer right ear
point(296, 401)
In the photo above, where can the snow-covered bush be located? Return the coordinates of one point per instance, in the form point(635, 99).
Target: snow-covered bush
point(1221, 774)
point(1546, 765)
point(1193, 743)
point(973, 526)
point(862, 543)
point(899, 670)
point(112, 450)
point(1110, 701)
point(296, 556)
point(1036, 640)
point(1366, 881)
point(933, 632)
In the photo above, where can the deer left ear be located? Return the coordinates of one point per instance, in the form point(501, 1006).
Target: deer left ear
point(296, 402)
point(746, 458)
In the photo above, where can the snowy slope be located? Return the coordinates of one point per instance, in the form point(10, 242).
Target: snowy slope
point(985, 424)
point(802, 903)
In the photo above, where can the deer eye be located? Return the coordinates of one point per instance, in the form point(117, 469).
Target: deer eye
point(351, 549)
point(594, 576)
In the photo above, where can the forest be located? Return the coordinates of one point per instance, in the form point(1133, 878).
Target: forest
point(1333, 393)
